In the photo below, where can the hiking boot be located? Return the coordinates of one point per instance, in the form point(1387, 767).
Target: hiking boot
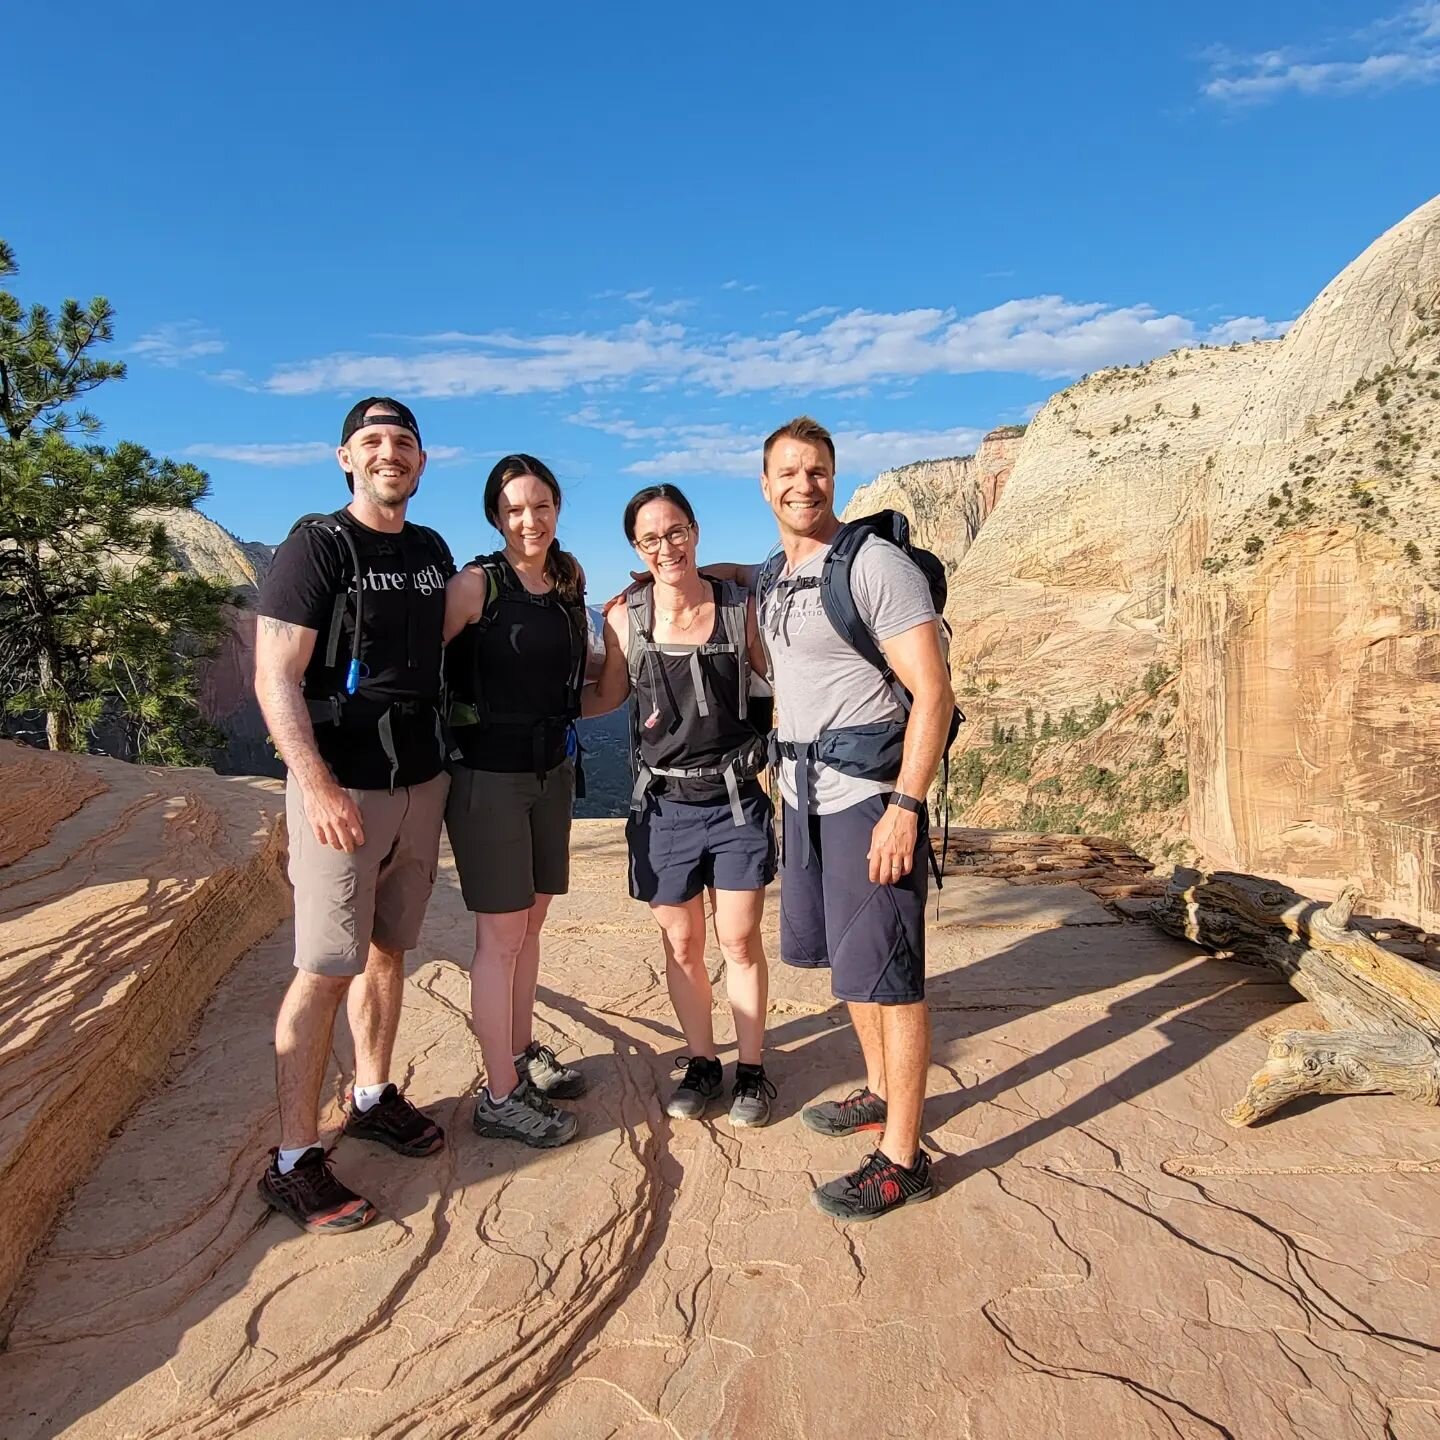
point(524, 1115)
point(392, 1120)
point(876, 1188)
point(552, 1079)
point(860, 1110)
point(312, 1197)
point(750, 1103)
point(704, 1080)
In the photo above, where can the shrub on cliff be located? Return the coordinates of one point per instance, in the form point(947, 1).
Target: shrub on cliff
point(96, 626)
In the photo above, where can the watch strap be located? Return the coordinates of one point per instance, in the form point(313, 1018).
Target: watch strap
point(907, 802)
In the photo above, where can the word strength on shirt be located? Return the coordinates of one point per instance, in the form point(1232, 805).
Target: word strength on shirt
point(426, 581)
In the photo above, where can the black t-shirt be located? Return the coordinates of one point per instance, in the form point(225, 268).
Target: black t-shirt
point(401, 636)
point(520, 661)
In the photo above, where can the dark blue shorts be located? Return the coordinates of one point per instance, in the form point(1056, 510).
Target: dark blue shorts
point(871, 937)
point(677, 850)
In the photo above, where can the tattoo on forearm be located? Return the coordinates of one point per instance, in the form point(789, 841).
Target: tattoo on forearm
point(277, 627)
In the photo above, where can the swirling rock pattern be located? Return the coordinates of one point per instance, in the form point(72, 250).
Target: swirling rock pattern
point(1105, 1256)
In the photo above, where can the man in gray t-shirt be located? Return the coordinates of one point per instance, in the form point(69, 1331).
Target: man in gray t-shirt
point(854, 774)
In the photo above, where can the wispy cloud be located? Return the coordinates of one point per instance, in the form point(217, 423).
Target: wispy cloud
point(292, 455)
point(717, 450)
point(1044, 335)
point(1403, 49)
point(1246, 327)
point(739, 285)
point(173, 344)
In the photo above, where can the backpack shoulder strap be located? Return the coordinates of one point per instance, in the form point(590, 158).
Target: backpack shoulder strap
point(734, 608)
point(640, 608)
point(837, 596)
point(333, 525)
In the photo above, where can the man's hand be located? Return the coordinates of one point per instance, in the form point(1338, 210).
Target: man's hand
point(334, 817)
point(892, 846)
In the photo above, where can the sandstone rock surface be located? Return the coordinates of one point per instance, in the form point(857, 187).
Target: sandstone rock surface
point(1104, 1257)
point(947, 500)
point(125, 894)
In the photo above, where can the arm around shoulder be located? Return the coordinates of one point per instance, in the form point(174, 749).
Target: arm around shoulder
point(466, 593)
point(612, 687)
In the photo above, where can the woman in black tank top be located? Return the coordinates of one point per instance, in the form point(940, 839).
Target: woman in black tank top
point(684, 649)
point(515, 666)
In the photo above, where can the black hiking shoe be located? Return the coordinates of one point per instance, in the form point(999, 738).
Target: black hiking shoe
point(704, 1080)
point(750, 1102)
point(392, 1120)
point(860, 1110)
point(545, 1072)
point(524, 1115)
point(876, 1188)
point(312, 1197)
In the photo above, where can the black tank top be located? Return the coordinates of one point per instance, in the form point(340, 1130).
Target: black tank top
point(672, 732)
point(524, 657)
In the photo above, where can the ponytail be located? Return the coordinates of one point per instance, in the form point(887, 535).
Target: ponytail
point(562, 569)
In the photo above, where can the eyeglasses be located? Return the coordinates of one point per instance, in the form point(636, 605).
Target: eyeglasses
point(650, 544)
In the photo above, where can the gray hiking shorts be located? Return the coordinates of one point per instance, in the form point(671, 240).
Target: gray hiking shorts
point(511, 836)
point(378, 892)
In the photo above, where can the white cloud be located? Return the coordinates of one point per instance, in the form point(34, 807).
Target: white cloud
point(295, 454)
point(740, 286)
point(277, 454)
point(713, 450)
point(1246, 327)
point(171, 345)
point(1043, 335)
point(1403, 49)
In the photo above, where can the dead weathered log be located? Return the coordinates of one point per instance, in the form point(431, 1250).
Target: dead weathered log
point(1383, 1010)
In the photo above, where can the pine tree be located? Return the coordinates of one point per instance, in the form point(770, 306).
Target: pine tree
point(96, 624)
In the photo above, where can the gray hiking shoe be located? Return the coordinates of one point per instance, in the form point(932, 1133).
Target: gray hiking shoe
point(704, 1080)
point(552, 1079)
point(750, 1106)
point(524, 1115)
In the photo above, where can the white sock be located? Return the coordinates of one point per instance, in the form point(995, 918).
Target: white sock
point(285, 1159)
point(366, 1097)
point(519, 1059)
point(497, 1099)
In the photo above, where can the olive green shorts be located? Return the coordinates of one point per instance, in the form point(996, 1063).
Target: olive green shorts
point(511, 835)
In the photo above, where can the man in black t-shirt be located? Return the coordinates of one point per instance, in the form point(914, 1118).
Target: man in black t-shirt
point(348, 674)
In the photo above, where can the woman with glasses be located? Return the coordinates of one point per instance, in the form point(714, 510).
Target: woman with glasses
point(517, 634)
point(684, 649)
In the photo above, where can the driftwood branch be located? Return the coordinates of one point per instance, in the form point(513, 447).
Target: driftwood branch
point(1382, 1009)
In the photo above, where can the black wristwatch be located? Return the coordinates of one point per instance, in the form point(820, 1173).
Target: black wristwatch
point(908, 802)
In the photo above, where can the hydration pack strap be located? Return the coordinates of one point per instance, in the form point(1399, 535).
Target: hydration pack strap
point(386, 730)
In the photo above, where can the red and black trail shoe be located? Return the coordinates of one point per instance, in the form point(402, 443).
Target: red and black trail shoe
point(312, 1197)
point(875, 1189)
point(860, 1110)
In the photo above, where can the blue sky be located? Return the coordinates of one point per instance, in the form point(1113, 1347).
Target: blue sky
point(632, 239)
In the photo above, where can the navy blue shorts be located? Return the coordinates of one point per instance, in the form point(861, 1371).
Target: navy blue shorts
point(677, 850)
point(871, 937)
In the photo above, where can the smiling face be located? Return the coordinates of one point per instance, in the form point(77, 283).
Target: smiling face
point(799, 483)
point(664, 521)
point(386, 461)
point(527, 514)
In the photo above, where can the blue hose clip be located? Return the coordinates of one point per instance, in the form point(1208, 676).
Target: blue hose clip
point(352, 678)
point(572, 742)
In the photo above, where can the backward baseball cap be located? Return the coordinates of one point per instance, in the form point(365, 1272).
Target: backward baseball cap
point(394, 413)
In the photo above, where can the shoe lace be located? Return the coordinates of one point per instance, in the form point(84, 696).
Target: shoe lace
point(315, 1184)
point(697, 1069)
point(527, 1094)
point(545, 1056)
point(751, 1084)
point(871, 1168)
point(857, 1100)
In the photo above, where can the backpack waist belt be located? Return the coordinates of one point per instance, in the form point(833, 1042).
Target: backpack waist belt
point(866, 752)
point(330, 710)
point(744, 764)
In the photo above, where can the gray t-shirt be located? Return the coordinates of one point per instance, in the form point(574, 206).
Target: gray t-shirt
point(820, 682)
